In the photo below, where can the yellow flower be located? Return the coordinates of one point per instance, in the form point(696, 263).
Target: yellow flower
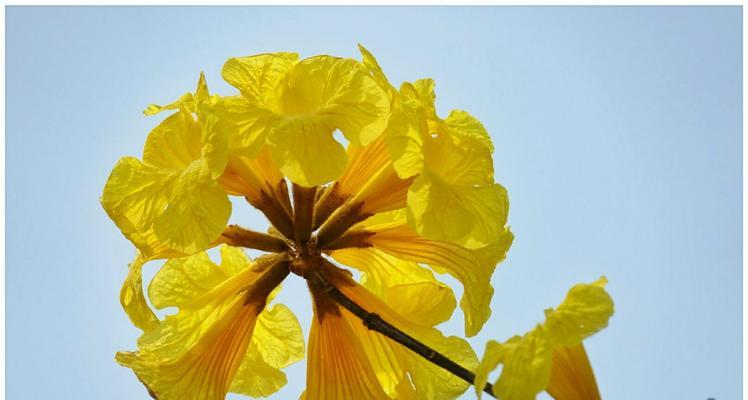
point(410, 196)
point(170, 204)
point(551, 356)
point(346, 360)
point(223, 338)
point(453, 197)
point(294, 107)
point(359, 221)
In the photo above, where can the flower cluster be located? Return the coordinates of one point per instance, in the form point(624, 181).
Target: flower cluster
point(410, 194)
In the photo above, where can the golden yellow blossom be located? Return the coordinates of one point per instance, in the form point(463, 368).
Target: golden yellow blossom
point(351, 361)
point(453, 197)
point(552, 349)
point(294, 106)
point(223, 336)
point(170, 203)
point(412, 196)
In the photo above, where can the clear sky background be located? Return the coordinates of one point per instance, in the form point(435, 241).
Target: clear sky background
point(617, 133)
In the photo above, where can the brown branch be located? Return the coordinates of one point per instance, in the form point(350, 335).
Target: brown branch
point(374, 322)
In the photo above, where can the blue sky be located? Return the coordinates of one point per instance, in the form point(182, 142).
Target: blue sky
point(617, 133)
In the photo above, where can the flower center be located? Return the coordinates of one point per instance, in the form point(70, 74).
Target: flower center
point(315, 222)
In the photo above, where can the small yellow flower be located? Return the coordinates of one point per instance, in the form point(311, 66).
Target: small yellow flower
point(551, 356)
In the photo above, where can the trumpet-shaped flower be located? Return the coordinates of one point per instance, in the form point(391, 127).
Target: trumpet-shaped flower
point(223, 338)
point(294, 106)
point(383, 368)
point(453, 197)
point(550, 357)
point(170, 204)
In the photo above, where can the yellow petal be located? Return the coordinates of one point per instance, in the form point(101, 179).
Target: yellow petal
point(135, 193)
point(251, 116)
point(371, 179)
point(197, 212)
point(457, 165)
point(181, 280)
point(526, 366)
point(296, 106)
point(132, 299)
point(472, 267)
point(247, 124)
point(277, 342)
point(407, 123)
point(385, 191)
point(197, 352)
point(188, 101)
point(585, 310)
point(340, 91)
point(460, 126)
point(457, 213)
point(136, 196)
point(233, 261)
point(249, 176)
point(468, 130)
point(260, 78)
point(278, 337)
point(372, 66)
point(424, 91)
point(391, 361)
point(488, 363)
point(306, 152)
point(571, 375)
point(174, 144)
point(154, 109)
point(419, 296)
point(170, 371)
point(405, 137)
point(405, 391)
point(133, 196)
point(192, 133)
point(255, 377)
point(363, 163)
point(550, 356)
point(169, 203)
point(215, 140)
point(454, 199)
point(337, 366)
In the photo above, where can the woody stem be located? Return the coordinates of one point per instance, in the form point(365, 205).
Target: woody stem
point(374, 322)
